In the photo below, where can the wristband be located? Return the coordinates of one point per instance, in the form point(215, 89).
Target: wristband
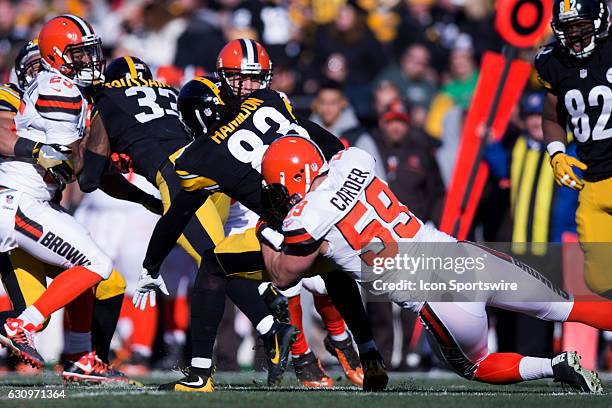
point(555, 147)
point(24, 148)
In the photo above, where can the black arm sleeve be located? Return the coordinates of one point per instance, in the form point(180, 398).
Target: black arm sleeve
point(170, 227)
point(327, 142)
point(94, 165)
point(117, 186)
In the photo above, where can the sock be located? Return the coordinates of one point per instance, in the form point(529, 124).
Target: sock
point(105, 316)
point(245, 295)
point(199, 362)
point(533, 368)
point(32, 316)
point(77, 343)
point(345, 295)
point(499, 368)
point(145, 327)
point(595, 314)
point(264, 326)
point(368, 345)
point(295, 315)
point(80, 312)
point(331, 317)
point(207, 307)
point(65, 288)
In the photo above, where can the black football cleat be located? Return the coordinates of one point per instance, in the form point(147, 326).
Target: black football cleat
point(89, 369)
point(375, 376)
point(194, 381)
point(309, 371)
point(568, 371)
point(277, 345)
point(18, 339)
point(347, 357)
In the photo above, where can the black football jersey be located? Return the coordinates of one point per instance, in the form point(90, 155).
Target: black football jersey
point(229, 160)
point(584, 94)
point(141, 119)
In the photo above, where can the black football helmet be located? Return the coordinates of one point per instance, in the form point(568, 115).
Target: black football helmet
point(127, 67)
point(204, 102)
point(579, 25)
point(27, 64)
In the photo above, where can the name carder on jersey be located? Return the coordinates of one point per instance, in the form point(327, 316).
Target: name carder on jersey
point(584, 92)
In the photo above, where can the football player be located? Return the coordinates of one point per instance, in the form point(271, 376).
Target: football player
point(137, 115)
point(51, 116)
point(339, 207)
point(25, 276)
point(225, 157)
point(577, 75)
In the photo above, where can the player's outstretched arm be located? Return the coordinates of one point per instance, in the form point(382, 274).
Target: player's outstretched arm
point(117, 186)
point(286, 269)
point(170, 227)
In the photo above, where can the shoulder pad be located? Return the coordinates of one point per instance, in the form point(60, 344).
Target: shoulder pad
point(58, 98)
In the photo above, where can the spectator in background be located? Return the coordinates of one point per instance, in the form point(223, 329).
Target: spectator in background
point(350, 37)
point(334, 113)
point(411, 168)
point(385, 92)
point(156, 40)
point(415, 79)
point(9, 38)
point(202, 28)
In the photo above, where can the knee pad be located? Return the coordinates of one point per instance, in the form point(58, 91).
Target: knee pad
point(111, 287)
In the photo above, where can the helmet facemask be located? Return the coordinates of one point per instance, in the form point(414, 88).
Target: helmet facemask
point(577, 37)
point(245, 81)
point(27, 68)
point(84, 62)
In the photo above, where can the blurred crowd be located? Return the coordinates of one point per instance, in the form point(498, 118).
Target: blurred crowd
point(394, 77)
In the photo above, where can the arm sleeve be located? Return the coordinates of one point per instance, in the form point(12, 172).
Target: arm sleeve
point(170, 227)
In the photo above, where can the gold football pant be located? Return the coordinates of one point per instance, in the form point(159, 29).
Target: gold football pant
point(594, 221)
point(205, 229)
point(27, 280)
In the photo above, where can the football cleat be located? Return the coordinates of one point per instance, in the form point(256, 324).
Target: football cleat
point(137, 364)
point(192, 382)
point(277, 345)
point(567, 370)
point(18, 339)
point(277, 303)
point(309, 371)
point(89, 369)
point(375, 376)
point(347, 356)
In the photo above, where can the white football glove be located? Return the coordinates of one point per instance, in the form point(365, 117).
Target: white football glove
point(145, 289)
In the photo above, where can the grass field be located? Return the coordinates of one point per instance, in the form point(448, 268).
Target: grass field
point(246, 390)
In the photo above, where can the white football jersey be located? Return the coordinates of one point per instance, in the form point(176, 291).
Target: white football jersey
point(352, 209)
point(52, 111)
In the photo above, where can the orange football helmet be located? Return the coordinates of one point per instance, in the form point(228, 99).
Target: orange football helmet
point(69, 46)
point(294, 162)
point(245, 66)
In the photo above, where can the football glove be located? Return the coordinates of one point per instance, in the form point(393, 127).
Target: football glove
point(562, 164)
point(145, 289)
point(51, 155)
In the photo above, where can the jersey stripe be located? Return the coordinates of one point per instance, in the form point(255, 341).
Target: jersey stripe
point(65, 104)
point(28, 227)
point(298, 236)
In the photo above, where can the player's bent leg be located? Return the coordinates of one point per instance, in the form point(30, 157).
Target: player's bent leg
point(53, 237)
point(106, 309)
